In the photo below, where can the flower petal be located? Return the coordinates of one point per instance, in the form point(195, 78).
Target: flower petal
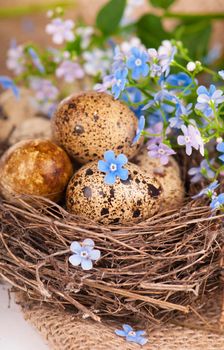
point(121, 159)
point(58, 38)
point(193, 171)
point(148, 105)
point(188, 149)
point(88, 242)
point(123, 174)
point(142, 340)
point(202, 90)
point(219, 100)
point(75, 259)
point(120, 332)
point(145, 70)
point(181, 140)
point(220, 147)
point(132, 338)
point(136, 138)
point(69, 36)
point(221, 158)
point(217, 94)
point(208, 112)
point(203, 98)
point(109, 156)
point(95, 254)
point(127, 328)
point(221, 198)
point(202, 150)
point(221, 74)
point(164, 159)
point(141, 123)
point(86, 264)
point(212, 89)
point(110, 179)
point(103, 166)
point(140, 333)
point(75, 247)
point(184, 129)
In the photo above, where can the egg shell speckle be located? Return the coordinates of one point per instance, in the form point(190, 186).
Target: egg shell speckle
point(35, 167)
point(90, 123)
point(168, 175)
point(125, 202)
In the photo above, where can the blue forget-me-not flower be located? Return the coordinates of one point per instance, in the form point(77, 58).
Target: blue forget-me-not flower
point(204, 169)
point(208, 99)
point(84, 254)
point(208, 191)
point(217, 202)
point(131, 335)
point(120, 80)
point(113, 167)
point(161, 151)
point(179, 82)
point(137, 62)
point(191, 138)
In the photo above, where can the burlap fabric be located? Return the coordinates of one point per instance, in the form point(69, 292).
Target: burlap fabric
point(63, 331)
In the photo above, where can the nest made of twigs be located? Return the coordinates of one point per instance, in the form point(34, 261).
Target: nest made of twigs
point(146, 271)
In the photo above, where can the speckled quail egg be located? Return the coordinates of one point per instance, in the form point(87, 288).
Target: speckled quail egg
point(14, 111)
point(127, 201)
point(35, 167)
point(36, 127)
point(168, 175)
point(89, 123)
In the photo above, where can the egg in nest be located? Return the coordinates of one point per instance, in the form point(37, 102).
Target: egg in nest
point(127, 201)
point(89, 123)
point(168, 175)
point(35, 167)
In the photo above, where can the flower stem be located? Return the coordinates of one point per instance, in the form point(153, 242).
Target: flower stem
point(195, 16)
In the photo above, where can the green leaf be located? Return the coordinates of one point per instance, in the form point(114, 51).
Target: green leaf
point(195, 35)
point(74, 46)
point(150, 30)
point(162, 3)
point(110, 15)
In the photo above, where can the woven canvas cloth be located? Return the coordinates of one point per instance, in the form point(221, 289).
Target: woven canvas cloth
point(63, 331)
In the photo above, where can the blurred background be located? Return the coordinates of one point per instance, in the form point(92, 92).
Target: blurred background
point(26, 19)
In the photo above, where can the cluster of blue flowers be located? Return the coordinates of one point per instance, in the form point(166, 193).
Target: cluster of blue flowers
point(173, 110)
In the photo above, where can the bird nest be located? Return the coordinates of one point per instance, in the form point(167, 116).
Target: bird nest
point(147, 271)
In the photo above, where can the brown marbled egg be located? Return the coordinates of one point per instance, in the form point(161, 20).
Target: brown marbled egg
point(125, 202)
point(168, 175)
point(90, 123)
point(34, 167)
